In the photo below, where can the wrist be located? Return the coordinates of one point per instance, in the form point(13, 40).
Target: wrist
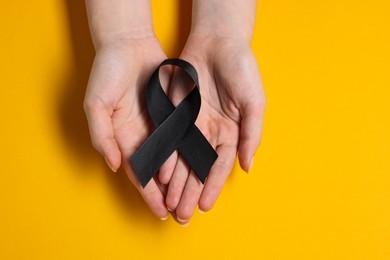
point(124, 39)
point(216, 29)
point(110, 21)
point(211, 43)
point(230, 20)
point(216, 38)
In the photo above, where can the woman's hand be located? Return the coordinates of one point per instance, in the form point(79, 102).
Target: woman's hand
point(115, 106)
point(231, 118)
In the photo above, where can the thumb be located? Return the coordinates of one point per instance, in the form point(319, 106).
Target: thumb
point(102, 132)
point(252, 115)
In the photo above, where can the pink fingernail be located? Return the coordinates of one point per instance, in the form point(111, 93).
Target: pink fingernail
point(109, 165)
point(183, 222)
point(164, 218)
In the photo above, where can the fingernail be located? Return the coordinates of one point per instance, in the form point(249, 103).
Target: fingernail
point(170, 210)
point(201, 211)
point(164, 218)
point(183, 222)
point(109, 165)
point(250, 165)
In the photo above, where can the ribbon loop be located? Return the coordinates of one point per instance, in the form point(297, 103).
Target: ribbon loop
point(175, 130)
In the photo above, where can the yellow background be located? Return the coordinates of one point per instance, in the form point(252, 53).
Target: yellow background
point(320, 187)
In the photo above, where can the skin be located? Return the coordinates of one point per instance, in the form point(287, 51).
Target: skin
point(233, 101)
point(127, 53)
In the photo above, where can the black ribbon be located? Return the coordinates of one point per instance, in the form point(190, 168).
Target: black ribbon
point(175, 130)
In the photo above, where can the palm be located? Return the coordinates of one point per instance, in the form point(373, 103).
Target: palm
point(233, 82)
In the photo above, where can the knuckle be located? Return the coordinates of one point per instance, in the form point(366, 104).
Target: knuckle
point(91, 103)
point(88, 104)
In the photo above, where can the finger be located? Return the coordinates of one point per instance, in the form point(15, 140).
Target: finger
point(177, 183)
point(217, 176)
point(162, 187)
point(250, 132)
point(154, 198)
point(102, 132)
point(184, 224)
point(166, 170)
point(189, 199)
point(151, 193)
